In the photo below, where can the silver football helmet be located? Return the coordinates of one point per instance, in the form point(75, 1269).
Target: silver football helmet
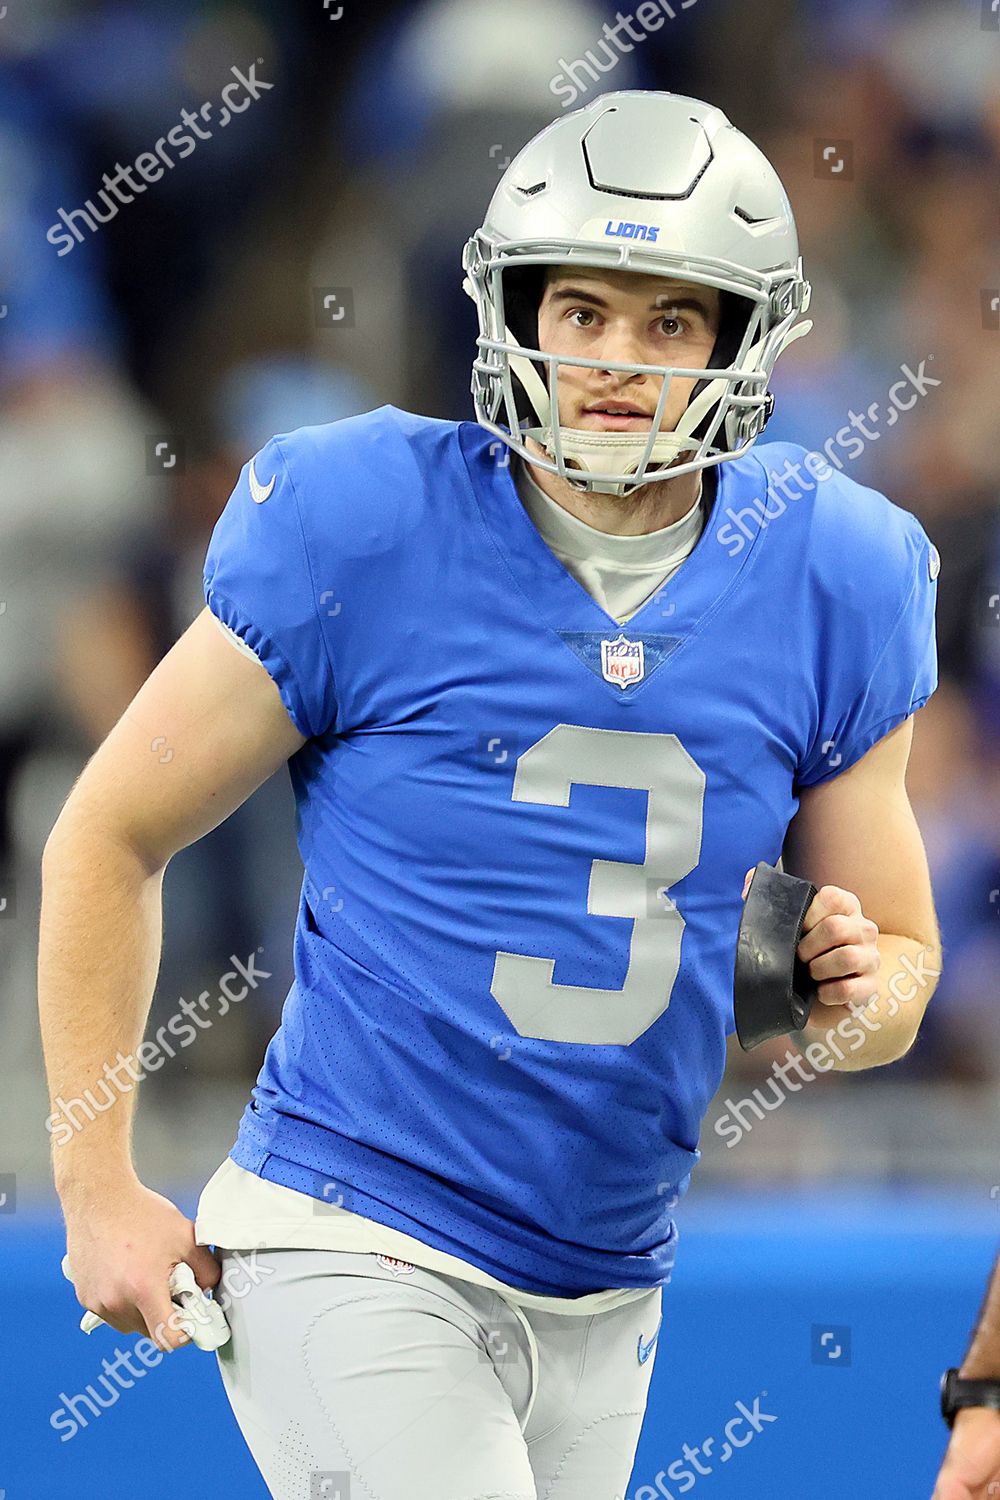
point(654, 183)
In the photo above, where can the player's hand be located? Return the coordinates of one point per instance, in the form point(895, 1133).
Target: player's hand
point(971, 1468)
point(122, 1247)
point(839, 945)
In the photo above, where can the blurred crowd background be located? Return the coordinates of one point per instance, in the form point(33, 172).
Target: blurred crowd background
point(301, 264)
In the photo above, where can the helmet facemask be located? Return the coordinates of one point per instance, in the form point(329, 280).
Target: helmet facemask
point(729, 403)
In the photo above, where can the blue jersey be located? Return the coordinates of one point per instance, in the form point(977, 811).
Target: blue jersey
point(525, 827)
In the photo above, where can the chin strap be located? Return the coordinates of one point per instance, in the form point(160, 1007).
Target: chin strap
point(586, 450)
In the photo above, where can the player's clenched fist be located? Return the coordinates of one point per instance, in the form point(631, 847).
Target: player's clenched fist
point(840, 946)
point(122, 1245)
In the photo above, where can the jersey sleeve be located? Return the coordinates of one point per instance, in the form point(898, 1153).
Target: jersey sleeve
point(880, 672)
point(258, 582)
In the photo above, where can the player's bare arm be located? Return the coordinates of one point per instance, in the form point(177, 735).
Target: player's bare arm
point(220, 716)
point(870, 936)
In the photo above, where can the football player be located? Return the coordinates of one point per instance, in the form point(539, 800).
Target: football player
point(547, 684)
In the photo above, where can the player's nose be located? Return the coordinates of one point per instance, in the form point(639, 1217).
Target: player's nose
point(623, 343)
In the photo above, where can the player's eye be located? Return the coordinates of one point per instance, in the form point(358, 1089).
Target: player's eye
point(586, 313)
point(671, 319)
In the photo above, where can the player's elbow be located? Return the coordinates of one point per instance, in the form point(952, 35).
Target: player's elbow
point(82, 840)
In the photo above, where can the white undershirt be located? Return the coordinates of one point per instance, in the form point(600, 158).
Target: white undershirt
point(619, 572)
point(239, 1210)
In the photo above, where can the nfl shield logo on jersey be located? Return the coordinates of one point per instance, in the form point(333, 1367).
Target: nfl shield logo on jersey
point(622, 661)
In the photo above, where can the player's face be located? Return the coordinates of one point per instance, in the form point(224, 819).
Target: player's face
point(624, 317)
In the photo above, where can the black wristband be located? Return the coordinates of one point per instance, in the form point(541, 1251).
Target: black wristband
point(958, 1395)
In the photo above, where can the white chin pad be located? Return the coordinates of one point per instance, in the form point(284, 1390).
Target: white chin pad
point(621, 453)
point(592, 451)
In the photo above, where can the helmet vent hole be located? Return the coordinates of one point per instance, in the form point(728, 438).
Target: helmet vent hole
point(748, 218)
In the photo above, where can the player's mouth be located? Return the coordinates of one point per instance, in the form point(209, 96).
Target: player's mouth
point(619, 416)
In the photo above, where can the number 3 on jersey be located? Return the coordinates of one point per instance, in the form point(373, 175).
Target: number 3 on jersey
point(659, 765)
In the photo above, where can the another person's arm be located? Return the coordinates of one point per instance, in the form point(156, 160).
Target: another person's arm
point(971, 1468)
point(205, 730)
